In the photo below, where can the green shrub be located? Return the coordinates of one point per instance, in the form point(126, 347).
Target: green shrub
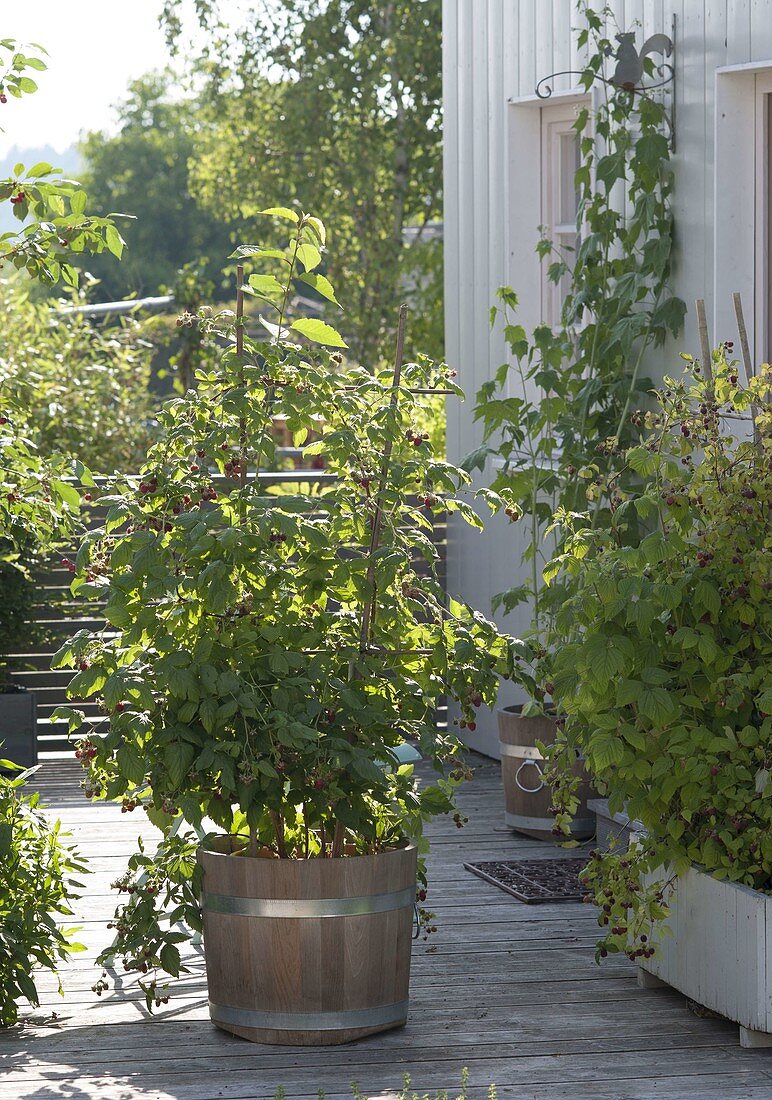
point(37, 885)
point(663, 673)
point(80, 388)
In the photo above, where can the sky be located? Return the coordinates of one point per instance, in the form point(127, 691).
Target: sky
point(95, 48)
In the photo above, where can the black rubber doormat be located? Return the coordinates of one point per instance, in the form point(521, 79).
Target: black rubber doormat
point(534, 880)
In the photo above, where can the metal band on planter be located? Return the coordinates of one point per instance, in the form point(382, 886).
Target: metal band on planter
point(379, 1016)
point(521, 821)
point(317, 907)
point(520, 752)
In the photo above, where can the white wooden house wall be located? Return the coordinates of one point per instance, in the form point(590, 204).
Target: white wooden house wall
point(494, 53)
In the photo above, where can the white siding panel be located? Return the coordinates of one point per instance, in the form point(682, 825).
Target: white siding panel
point(734, 219)
point(562, 12)
point(511, 36)
point(738, 31)
point(761, 30)
point(458, 311)
point(654, 19)
point(715, 56)
point(577, 55)
point(527, 46)
point(689, 203)
point(544, 54)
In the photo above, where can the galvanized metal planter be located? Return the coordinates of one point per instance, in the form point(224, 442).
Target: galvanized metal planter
point(18, 728)
point(612, 830)
point(307, 952)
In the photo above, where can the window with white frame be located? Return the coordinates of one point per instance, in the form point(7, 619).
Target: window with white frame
point(560, 153)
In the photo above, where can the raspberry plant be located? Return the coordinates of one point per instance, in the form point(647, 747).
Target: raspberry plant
point(54, 229)
point(663, 673)
point(267, 653)
point(37, 884)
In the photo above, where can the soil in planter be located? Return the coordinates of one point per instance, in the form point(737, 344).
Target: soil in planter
point(534, 880)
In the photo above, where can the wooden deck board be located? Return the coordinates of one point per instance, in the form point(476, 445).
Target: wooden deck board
point(509, 990)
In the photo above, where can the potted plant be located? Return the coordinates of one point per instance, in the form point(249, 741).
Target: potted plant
point(664, 679)
point(271, 654)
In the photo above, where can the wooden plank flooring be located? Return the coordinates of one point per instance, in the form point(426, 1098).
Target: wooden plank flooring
point(510, 991)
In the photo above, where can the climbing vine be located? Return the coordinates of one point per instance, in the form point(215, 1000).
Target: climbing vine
point(560, 413)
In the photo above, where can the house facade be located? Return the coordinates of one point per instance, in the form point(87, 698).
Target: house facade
point(509, 162)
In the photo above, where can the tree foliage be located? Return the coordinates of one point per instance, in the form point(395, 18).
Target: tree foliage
point(335, 104)
point(144, 169)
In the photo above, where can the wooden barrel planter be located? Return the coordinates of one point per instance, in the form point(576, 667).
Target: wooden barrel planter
point(527, 797)
point(307, 952)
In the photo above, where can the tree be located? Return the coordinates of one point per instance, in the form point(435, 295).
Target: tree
point(144, 171)
point(349, 94)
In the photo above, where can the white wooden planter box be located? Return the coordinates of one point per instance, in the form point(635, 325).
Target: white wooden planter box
point(719, 953)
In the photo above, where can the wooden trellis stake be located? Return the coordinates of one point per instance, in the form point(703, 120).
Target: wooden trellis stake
point(745, 349)
point(705, 352)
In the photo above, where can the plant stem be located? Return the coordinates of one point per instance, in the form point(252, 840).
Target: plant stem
point(277, 820)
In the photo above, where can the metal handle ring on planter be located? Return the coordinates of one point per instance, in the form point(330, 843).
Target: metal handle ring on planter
point(530, 764)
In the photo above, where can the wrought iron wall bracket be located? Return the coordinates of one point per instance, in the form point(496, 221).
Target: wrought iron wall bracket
point(630, 70)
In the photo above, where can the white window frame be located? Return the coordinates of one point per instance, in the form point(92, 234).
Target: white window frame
point(557, 122)
point(743, 203)
point(525, 272)
point(763, 204)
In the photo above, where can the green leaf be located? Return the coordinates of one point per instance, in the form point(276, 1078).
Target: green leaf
point(321, 285)
point(642, 461)
point(114, 241)
point(245, 251)
point(318, 332)
point(130, 762)
point(708, 650)
point(170, 959)
point(263, 285)
point(68, 493)
point(317, 228)
point(78, 202)
point(628, 691)
point(656, 704)
point(42, 168)
point(606, 750)
point(178, 757)
point(281, 212)
point(603, 659)
point(707, 596)
point(309, 256)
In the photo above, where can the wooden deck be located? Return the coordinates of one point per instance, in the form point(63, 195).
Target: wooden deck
point(508, 990)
